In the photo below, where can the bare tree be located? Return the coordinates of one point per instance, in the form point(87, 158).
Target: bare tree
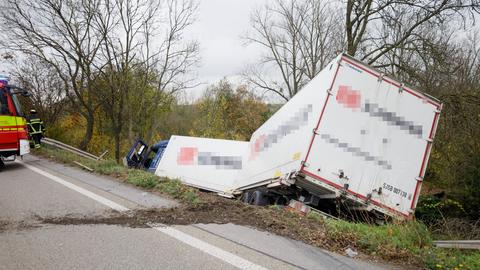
point(364, 19)
point(124, 38)
point(448, 67)
point(300, 35)
point(138, 76)
point(45, 86)
point(299, 38)
point(65, 35)
point(172, 61)
point(103, 53)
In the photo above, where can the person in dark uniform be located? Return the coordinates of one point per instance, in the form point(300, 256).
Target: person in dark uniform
point(35, 128)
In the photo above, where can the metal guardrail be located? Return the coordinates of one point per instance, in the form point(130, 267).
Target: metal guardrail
point(461, 244)
point(71, 149)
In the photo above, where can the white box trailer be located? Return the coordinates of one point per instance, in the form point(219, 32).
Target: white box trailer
point(209, 164)
point(351, 132)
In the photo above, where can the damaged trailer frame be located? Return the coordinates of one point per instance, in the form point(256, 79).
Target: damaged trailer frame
point(352, 132)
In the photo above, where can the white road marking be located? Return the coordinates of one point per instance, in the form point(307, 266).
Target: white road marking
point(78, 189)
point(212, 250)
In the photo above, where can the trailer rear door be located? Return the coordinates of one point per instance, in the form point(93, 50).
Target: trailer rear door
point(374, 138)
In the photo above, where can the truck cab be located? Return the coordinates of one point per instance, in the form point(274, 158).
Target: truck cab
point(13, 129)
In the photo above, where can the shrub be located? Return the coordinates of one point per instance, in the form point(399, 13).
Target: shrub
point(430, 209)
point(452, 259)
point(142, 179)
point(109, 167)
point(390, 241)
point(177, 190)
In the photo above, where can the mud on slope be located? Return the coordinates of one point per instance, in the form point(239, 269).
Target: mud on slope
point(6, 225)
point(213, 210)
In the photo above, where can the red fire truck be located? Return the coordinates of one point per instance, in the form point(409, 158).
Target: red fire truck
point(13, 127)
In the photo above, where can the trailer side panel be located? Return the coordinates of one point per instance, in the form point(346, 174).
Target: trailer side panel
point(210, 164)
point(280, 145)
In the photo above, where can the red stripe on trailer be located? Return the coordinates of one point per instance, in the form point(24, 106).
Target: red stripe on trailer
point(410, 91)
point(353, 193)
point(427, 149)
point(321, 115)
point(323, 180)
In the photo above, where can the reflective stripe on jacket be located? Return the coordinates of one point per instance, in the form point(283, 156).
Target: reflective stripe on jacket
point(35, 126)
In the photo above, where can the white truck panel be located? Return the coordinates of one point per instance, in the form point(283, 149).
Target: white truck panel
point(210, 164)
point(377, 133)
point(281, 143)
point(349, 120)
point(373, 129)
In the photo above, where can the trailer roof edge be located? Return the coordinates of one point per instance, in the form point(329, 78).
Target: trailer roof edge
point(409, 86)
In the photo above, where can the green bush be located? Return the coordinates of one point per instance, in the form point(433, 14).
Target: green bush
point(57, 154)
point(108, 167)
point(177, 190)
point(430, 209)
point(142, 178)
point(390, 241)
point(452, 259)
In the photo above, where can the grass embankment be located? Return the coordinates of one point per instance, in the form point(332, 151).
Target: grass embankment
point(402, 243)
point(410, 242)
point(172, 188)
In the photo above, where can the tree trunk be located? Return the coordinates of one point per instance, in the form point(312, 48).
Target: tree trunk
point(89, 131)
point(117, 147)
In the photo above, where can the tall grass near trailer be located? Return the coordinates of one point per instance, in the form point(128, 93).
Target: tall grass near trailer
point(140, 178)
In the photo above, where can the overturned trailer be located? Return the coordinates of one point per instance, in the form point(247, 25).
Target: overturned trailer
point(351, 132)
point(210, 164)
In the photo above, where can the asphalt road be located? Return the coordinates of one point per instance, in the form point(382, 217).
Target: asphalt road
point(35, 188)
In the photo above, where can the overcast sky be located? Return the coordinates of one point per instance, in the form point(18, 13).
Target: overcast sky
point(219, 27)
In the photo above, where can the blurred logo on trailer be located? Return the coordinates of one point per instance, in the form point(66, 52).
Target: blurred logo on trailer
point(263, 142)
point(348, 97)
point(189, 156)
point(351, 99)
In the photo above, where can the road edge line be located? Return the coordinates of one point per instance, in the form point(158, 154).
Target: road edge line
point(83, 191)
point(201, 245)
point(210, 249)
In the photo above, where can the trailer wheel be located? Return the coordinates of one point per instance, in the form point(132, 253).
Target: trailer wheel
point(247, 197)
point(280, 200)
point(259, 198)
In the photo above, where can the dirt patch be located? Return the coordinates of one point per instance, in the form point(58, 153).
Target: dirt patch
point(3, 225)
point(6, 225)
point(210, 208)
point(213, 210)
